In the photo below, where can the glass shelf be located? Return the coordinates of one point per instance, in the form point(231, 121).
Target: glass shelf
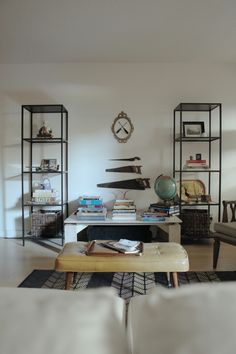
point(45, 140)
point(197, 107)
point(197, 139)
point(50, 108)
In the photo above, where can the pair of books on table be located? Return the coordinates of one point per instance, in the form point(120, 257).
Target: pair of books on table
point(152, 216)
point(121, 247)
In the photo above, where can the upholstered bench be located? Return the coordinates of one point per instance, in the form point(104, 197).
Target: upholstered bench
point(168, 257)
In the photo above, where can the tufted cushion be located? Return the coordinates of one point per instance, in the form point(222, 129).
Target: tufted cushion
point(227, 228)
point(193, 319)
point(41, 321)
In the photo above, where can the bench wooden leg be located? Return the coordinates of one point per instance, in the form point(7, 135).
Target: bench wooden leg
point(74, 277)
point(169, 285)
point(69, 277)
point(175, 279)
point(216, 250)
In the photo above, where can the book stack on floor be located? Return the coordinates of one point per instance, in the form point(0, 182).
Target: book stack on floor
point(195, 164)
point(164, 209)
point(91, 208)
point(124, 209)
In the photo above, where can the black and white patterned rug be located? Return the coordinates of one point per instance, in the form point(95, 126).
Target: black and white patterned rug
point(126, 284)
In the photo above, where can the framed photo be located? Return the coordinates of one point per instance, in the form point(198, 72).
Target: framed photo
point(198, 156)
point(193, 129)
point(49, 165)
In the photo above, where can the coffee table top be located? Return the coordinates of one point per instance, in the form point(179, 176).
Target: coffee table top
point(73, 219)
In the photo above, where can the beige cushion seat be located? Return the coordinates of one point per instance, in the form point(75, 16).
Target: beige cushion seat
point(229, 229)
point(225, 231)
point(157, 257)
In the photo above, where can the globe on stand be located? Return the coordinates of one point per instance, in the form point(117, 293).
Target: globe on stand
point(165, 188)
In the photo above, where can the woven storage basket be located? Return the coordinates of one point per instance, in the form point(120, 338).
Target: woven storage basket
point(46, 223)
point(195, 223)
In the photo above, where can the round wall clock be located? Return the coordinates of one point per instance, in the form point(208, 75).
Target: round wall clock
point(122, 127)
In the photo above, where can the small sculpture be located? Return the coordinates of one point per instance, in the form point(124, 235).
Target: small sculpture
point(45, 131)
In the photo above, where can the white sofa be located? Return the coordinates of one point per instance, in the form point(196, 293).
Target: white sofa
point(194, 319)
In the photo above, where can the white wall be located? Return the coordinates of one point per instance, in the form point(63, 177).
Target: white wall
point(94, 94)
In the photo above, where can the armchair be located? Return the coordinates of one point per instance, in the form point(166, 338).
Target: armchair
point(225, 231)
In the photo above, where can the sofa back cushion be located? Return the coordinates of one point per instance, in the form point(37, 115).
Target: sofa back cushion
point(36, 321)
point(194, 319)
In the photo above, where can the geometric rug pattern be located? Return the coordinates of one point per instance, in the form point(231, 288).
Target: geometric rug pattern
point(127, 285)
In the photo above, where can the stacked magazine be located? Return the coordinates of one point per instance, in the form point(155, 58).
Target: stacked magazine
point(123, 246)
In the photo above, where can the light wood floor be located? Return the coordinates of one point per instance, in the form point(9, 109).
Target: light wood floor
point(16, 261)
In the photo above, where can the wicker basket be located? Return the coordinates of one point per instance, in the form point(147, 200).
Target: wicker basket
point(46, 223)
point(195, 223)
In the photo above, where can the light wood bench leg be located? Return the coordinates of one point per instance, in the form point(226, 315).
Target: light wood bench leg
point(175, 279)
point(169, 285)
point(69, 277)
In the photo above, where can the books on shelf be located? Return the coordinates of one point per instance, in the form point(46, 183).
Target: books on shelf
point(124, 209)
point(91, 208)
point(196, 164)
point(44, 196)
point(196, 161)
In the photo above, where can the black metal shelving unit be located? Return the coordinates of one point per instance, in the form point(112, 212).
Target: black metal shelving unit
point(33, 148)
point(211, 114)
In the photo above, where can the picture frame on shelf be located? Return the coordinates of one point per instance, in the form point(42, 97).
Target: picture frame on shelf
point(49, 165)
point(193, 129)
point(198, 156)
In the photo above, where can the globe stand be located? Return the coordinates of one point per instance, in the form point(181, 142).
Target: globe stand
point(166, 203)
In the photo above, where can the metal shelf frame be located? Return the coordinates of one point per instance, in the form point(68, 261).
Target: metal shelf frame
point(179, 116)
point(27, 142)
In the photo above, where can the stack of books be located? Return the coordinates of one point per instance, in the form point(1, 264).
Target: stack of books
point(195, 164)
point(91, 208)
point(124, 209)
point(152, 216)
point(44, 196)
point(164, 209)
